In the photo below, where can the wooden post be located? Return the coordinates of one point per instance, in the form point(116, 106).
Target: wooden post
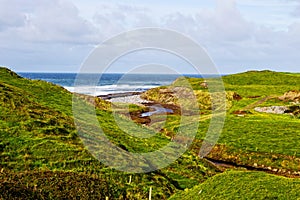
point(130, 179)
point(150, 193)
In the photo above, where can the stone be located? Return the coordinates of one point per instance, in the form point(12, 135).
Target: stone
point(272, 109)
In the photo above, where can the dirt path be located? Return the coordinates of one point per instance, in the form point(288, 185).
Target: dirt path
point(224, 165)
point(255, 104)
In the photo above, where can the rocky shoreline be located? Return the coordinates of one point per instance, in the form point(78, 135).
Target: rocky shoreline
point(118, 95)
point(126, 97)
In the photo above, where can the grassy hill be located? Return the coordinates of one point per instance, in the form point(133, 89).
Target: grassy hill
point(260, 139)
point(41, 154)
point(251, 140)
point(243, 185)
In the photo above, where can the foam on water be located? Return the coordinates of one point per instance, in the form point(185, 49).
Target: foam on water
point(109, 83)
point(109, 89)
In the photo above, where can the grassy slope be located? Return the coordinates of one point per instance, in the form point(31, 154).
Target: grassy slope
point(265, 141)
point(253, 83)
point(39, 147)
point(268, 140)
point(47, 94)
point(39, 141)
point(243, 185)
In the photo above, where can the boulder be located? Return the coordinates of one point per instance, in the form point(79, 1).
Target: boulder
point(272, 109)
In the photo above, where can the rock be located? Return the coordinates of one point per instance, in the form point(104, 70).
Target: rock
point(204, 84)
point(236, 97)
point(134, 99)
point(272, 109)
point(117, 95)
point(291, 96)
point(165, 91)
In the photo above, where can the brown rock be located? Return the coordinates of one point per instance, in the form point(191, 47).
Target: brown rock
point(293, 95)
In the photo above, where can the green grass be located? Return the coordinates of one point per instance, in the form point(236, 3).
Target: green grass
point(38, 136)
point(262, 78)
point(47, 94)
point(243, 185)
point(39, 142)
point(265, 140)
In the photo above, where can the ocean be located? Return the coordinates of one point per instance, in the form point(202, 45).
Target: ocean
point(109, 83)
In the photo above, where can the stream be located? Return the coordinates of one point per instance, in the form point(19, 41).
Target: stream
point(157, 110)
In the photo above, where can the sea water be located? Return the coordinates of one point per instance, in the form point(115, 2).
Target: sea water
point(109, 83)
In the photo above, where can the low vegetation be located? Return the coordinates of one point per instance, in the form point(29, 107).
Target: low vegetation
point(41, 154)
point(243, 185)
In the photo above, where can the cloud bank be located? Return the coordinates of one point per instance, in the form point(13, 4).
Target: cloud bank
point(55, 35)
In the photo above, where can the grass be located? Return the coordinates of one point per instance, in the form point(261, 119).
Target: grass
point(267, 140)
point(39, 143)
point(243, 185)
point(253, 139)
point(46, 94)
point(39, 146)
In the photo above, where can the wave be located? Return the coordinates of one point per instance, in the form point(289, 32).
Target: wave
point(109, 89)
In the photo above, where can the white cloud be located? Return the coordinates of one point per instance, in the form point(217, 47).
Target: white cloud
point(296, 12)
point(116, 18)
point(44, 21)
point(43, 33)
point(56, 32)
point(236, 43)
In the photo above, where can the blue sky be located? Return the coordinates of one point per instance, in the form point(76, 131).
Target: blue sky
point(239, 35)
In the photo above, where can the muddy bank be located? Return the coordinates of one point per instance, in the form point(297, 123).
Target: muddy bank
point(145, 116)
point(151, 108)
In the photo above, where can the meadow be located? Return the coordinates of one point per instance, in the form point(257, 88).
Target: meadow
point(42, 156)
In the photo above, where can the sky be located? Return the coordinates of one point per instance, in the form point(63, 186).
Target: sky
point(238, 35)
